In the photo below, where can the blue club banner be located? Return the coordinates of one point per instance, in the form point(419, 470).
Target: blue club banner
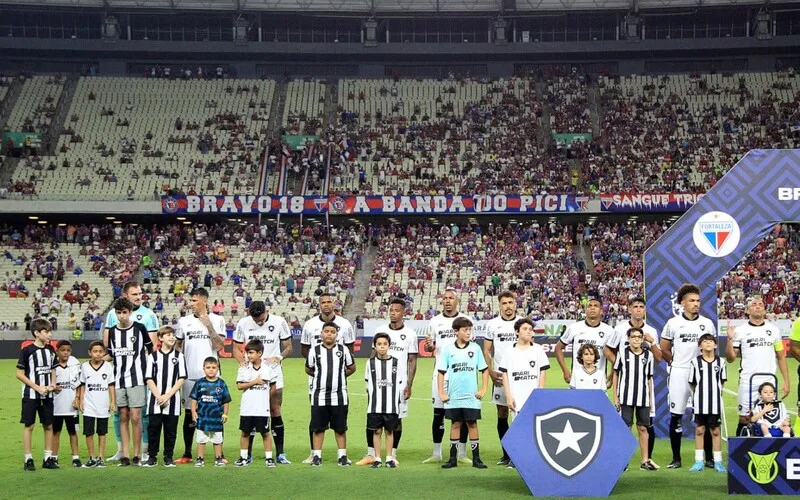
point(759, 466)
point(569, 443)
point(762, 190)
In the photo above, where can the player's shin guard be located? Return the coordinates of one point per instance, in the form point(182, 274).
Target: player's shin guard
point(277, 433)
point(437, 427)
point(675, 435)
point(502, 428)
point(188, 434)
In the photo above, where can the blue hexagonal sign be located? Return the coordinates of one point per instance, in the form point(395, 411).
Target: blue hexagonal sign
point(568, 442)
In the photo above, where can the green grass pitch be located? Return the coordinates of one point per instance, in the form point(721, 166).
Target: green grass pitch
point(411, 480)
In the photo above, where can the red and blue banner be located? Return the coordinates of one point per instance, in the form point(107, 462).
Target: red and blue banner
point(375, 205)
point(648, 202)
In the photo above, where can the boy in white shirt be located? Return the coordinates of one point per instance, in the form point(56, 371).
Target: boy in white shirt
point(97, 401)
point(255, 380)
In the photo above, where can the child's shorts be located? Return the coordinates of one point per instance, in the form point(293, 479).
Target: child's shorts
point(214, 437)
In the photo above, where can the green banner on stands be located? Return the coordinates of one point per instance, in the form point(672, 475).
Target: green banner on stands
point(298, 141)
point(570, 138)
point(18, 139)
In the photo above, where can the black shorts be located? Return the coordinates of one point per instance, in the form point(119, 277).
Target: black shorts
point(250, 424)
point(90, 424)
point(70, 420)
point(642, 415)
point(388, 421)
point(333, 417)
point(30, 407)
point(462, 414)
point(710, 421)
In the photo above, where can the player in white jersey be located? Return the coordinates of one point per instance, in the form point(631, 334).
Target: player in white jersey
point(200, 335)
point(760, 344)
point(312, 337)
point(403, 346)
point(273, 332)
point(498, 341)
point(440, 335)
point(590, 331)
point(637, 310)
point(66, 400)
point(679, 346)
point(523, 367)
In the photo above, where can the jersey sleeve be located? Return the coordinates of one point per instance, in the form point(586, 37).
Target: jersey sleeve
point(784, 413)
point(613, 339)
point(82, 377)
point(481, 359)
point(348, 335)
point(219, 327)
point(242, 374)
point(283, 330)
point(368, 372)
point(179, 331)
point(737, 339)
point(778, 345)
point(712, 329)
point(22, 363)
point(694, 376)
point(413, 347)
point(795, 333)
point(148, 371)
point(109, 368)
point(182, 371)
point(148, 342)
point(618, 362)
point(544, 362)
point(489, 335)
point(311, 359)
point(649, 368)
point(238, 334)
point(443, 361)
point(568, 336)
point(111, 319)
point(667, 333)
point(150, 321)
point(723, 370)
point(226, 394)
point(196, 391)
point(348, 358)
point(305, 335)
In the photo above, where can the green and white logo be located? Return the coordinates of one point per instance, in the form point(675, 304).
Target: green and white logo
point(762, 469)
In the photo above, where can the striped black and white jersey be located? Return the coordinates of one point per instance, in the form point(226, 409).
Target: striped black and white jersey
point(129, 348)
point(635, 372)
point(38, 364)
point(402, 343)
point(328, 383)
point(165, 369)
point(384, 385)
point(312, 335)
point(271, 333)
point(68, 378)
point(96, 381)
point(707, 378)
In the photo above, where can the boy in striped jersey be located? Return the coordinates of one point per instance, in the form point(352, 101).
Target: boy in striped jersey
point(633, 388)
point(329, 364)
point(129, 344)
point(708, 374)
point(165, 375)
point(384, 390)
point(36, 369)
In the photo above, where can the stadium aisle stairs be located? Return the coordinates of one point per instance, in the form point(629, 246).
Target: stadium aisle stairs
point(62, 110)
point(547, 132)
point(362, 277)
point(278, 103)
point(10, 100)
point(593, 95)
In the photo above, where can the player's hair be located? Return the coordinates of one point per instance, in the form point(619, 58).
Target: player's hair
point(330, 324)
point(506, 294)
point(326, 294)
point(254, 345)
point(588, 347)
point(636, 299)
point(164, 330)
point(753, 298)
point(62, 343)
point(523, 321)
point(461, 322)
point(765, 384)
point(211, 360)
point(130, 284)
point(257, 308)
point(95, 343)
point(381, 335)
point(199, 292)
point(634, 329)
point(593, 295)
point(40, 324)
point(686, 289)
point(398, 301)
point(123, 304)
point(706, 336)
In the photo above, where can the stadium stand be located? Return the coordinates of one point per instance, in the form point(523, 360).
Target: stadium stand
point(36, 104)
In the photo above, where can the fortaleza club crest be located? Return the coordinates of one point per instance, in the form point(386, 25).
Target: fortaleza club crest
point(170, 205)
point(568, 439)
point(716, 234)
point(337, 205)
point(762, 469)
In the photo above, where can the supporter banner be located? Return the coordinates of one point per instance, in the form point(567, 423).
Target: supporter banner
point(390, 205)
point(648, 202)
point(567, 443)
point(570, 138)
point(711, 238)
point(18, 139)
point(758, 466)
point(298, 141)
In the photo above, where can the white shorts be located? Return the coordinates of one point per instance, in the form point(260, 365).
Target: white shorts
point(680, 392)
point(437, 401)
point(499, 395)
point(203, 438)
point(745, 398)
point(186, 391)
point(279, 377)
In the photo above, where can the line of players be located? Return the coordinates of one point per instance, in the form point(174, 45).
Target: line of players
point(201, 334)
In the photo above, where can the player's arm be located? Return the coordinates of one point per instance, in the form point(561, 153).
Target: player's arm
point(286, 348)
point(106, 342)
point(243, 386)
point(666, 350)
point(238, 352)
point(440, 386)
point(652, 389)
point(194, 410)
point(561, 362)
point(780, 355)
point(614, 387)
point(25, 380)
point(484, 383)
point(543, 377)
point(153, 340)
point(412, 372)
point(351, 346)
point(507, 390)
point(488, 345)
point(310, 363)
point(225, 409)
point(731, 352)
point(112, 394)
point(658, 356)
point(610, 353)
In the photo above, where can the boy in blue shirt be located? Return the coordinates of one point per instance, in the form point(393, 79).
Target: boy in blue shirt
point(459, 365)
point(210, 402)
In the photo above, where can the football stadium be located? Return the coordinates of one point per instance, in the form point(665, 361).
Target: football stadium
point(402, 248)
